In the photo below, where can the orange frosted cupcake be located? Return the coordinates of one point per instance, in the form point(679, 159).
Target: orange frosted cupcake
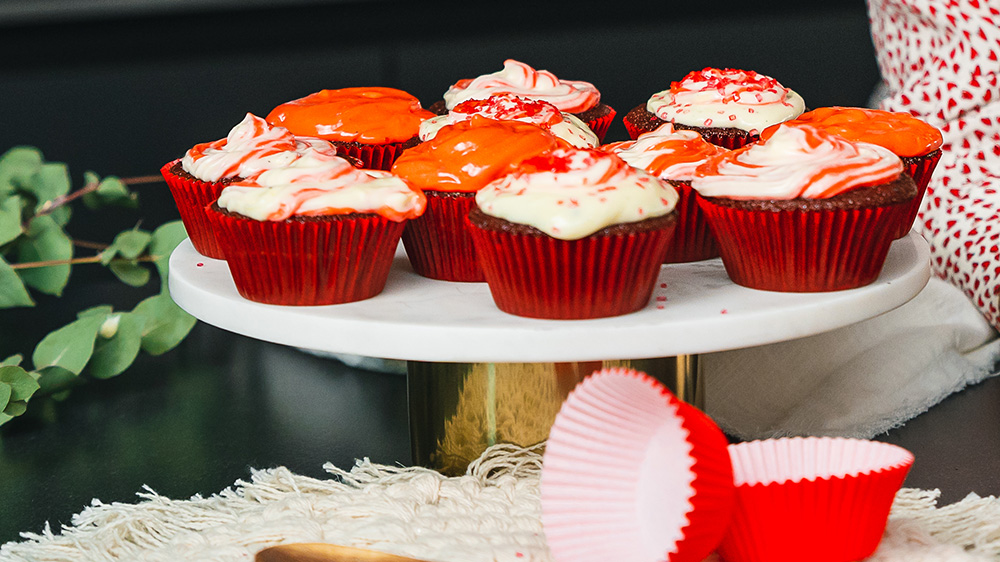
point(728, 107)
point(370, 123)
point(577, 97)
point(449, 169)
point(804, 210)
point(573, 234)
point(914, 141)
point(674, 156)
point(317, 231)
point(197, 179)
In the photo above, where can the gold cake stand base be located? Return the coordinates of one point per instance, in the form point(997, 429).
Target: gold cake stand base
point(458, 410)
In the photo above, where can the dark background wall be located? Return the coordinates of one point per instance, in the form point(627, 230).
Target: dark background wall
point(122, 86)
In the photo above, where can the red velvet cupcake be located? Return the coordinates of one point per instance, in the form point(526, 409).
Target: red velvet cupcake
point(728, 107)
point(914, 141)
point(580, 98)
point(573, 234)
point(316, 232)
point(804, 210)
point(197, 179)
point(449, 169)
point(673, 156)
point(372, 124)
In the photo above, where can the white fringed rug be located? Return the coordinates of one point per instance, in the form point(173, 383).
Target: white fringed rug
point(489, 514)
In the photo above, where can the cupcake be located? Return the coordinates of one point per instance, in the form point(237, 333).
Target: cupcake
point(726, 106)
point(252, 146)
point(318, 231)
point(449, 169)
point(580, 98)
point(509, 107)
point(372, 124)
point(804, 210)
point(673, 156)
point(916, 143)
point(571, 234)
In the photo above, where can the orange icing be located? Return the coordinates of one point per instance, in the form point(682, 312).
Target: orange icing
point(365, 115)
point(469, 154)
point(902, 133)
point(671, 152)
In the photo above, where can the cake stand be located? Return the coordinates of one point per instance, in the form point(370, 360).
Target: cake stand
point(478, 376)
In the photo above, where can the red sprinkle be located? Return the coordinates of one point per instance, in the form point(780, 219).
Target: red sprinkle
point(663, 285)
point(724, 311)
point(661, 299)
point(199, 264)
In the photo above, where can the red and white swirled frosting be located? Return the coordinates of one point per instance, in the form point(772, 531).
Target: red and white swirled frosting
point(666, 153)
point(571, 193)
point(571, 96)
point(797, 161)
point(715, 97)
point(251, 147)
point(510, 107)
point(314, 186)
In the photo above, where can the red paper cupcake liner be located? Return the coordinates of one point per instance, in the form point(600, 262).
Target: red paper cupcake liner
point(640, 120)
point(439, 244)
point(373, 156)
point(839, 518)
point(725, 138)
point(600, 124)
point(672, 494)
point(595, 277)
point(308, 262)
point(192, 196)
point(920, 169)
point(693, 239)
point(803, 251)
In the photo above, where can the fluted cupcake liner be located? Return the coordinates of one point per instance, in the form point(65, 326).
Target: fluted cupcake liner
point(538, 276)
point(803, 250)
point(821, 499)
point(373, 156)
point(439, 244)
point(920, 168)
point(640, 120)
point(601, 123)
point(315, 261)
point(693, 239)
point(632, 473)
point(192, 196)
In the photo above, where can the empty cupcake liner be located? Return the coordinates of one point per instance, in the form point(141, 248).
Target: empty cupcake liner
point(821, 499)
point(319, 261)
point(920, 169)
point(439, 244)
point(693, 239)
point(632, 473)
point(192, 196)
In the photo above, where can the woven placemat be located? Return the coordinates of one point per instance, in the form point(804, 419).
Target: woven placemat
point(489, 514)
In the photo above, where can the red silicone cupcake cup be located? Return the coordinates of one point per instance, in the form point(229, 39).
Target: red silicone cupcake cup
point(600, 124)
point(373, 156)
point(920, 169)
point(192, 196)
point(538, 276)
point(693, 239)
point(439, 244)
point(632, 473)
point(330, 260)
point(821, 499)
point(803, 251)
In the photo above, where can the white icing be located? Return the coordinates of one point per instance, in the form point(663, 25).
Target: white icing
point(727, 98)
point(563, 125)
point(572, 96)
point(597, 191)
point(646, 152)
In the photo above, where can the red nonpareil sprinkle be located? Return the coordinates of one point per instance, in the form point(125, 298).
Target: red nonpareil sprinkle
point(659, 307)
point(199, 264)
point(732, 117)
point(661, 299)
point(724, 311)
point(708, 122)
point(663, 285)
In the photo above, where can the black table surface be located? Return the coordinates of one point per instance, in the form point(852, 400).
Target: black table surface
point(200, 417)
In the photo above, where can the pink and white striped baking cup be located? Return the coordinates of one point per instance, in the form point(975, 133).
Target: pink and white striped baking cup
point(821, 499)
point(631, 473)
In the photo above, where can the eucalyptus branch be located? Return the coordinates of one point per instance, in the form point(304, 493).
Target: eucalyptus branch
point(91, 187)
point(90, 245)
point(74, 261)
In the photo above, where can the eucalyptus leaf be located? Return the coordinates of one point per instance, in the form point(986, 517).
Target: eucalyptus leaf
point(12, 360)
point(129, 244)
point(61, 215)
point(49, 183)
point(103, 310)
point(45, 241)
point(114, 354)
point(17, 166)
point(12, 290)
point(6, 392)
point(53, 380)
point(166, 323)
point(165, 239)
point(15, 408)
point(69, 347)
point(20, 382)
point(130, 272)
point(10, 219)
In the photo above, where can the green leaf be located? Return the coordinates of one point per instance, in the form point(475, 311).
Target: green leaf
point(56, 379)
point(130, 272)
point(15, 408)
point(103, 310)
point(5, 394)
point(44, 241)
point(61, 215)
point(17, 166)
point(165, 239)
point(110, 191)
point(12, 360)
point(69, 347)
point(129, 244)
point(12, 291)
point(10, 219)
point(114, 354)
point(166, 324)
point(20, 382)
point(50, 182)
